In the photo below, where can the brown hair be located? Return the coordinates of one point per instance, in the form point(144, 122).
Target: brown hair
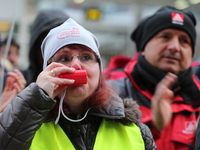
point(99, 97)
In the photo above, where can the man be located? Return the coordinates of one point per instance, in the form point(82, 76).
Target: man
point(161, 79)
point(13, 53)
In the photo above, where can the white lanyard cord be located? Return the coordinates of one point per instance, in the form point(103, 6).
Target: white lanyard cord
point(61, 110)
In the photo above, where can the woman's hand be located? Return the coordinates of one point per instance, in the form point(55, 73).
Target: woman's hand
point(15, 83)
point(49, 81)
point(161, 101)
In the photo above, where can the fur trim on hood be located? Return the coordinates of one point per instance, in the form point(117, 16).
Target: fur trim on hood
point(131, 111)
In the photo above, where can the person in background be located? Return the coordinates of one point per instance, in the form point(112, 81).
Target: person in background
point(55, 114)
point(161, 79)
point(13, 53)
point(44, 22)
point(15, 82)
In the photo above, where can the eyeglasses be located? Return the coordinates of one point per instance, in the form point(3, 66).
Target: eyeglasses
point(87, 58)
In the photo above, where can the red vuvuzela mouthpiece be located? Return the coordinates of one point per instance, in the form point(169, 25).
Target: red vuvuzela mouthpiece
point(80, 77)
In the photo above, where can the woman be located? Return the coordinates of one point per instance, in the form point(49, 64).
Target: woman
point(89, 116)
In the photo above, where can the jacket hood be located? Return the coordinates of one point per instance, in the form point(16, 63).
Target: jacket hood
point(45, 21)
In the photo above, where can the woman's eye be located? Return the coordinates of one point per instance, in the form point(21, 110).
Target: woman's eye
point(64, 59)
point(86, 57)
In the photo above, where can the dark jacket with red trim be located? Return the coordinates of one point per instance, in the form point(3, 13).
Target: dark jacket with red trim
point(115, 68)
point(179, 134)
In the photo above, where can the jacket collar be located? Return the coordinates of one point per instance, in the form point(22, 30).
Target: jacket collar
point(125, 111)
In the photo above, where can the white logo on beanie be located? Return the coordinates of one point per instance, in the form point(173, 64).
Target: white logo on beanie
point(70, 32)
point(177, 18)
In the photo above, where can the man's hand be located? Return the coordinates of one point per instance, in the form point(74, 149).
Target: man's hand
point(161, 101)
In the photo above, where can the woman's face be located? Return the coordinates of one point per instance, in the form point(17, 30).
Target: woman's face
point(79, 58)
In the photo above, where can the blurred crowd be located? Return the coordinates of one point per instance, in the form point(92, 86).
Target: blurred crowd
point(147, 101)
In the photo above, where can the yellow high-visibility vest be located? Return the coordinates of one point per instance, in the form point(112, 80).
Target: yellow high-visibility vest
point(110, 136)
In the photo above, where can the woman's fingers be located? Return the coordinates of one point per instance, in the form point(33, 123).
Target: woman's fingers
point(48, 79)
point(56, 66)
point(60, 69)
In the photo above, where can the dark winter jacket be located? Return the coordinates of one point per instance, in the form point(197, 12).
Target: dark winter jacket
point(24, 115)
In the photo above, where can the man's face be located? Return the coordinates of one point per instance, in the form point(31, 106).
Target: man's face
point(170, 50)
point(13, 54)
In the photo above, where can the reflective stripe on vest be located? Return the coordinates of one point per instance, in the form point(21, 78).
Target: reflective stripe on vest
point(110, 136)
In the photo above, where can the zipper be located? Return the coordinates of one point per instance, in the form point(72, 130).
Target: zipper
point(87, 137)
